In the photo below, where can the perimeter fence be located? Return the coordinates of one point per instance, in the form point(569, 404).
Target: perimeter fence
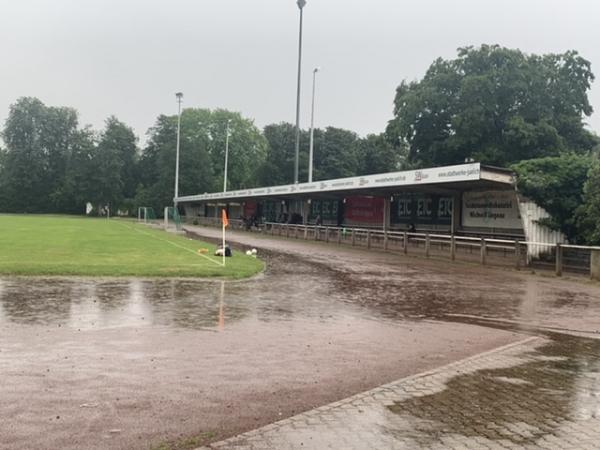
point(559, 258)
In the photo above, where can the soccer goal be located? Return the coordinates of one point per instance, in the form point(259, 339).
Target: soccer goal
point(172, 217)
point(146, 214)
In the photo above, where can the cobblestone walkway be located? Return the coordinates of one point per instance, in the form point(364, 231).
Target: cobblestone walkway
point(538, 393)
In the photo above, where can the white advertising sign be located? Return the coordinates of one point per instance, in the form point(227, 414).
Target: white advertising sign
point(448, 174)
point(491, 209)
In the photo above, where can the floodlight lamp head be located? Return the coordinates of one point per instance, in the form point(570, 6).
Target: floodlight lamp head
point(179, 95)
point(301, 3)
point(316, 69)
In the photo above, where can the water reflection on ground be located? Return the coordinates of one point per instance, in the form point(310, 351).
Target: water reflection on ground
point(292, 290)
point(296, 289)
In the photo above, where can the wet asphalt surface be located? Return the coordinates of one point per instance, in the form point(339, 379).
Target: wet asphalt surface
point(119, 363)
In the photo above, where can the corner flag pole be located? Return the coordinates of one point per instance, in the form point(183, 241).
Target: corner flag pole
point(225, 224)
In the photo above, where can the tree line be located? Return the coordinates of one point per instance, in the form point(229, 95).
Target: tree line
point(491, 104)
point(50, 164)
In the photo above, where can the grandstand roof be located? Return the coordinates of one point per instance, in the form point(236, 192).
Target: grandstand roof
point(462, 177)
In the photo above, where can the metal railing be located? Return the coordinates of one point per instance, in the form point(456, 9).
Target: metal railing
point(560, 258)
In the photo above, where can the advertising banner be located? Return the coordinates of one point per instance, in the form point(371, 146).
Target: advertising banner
point(491, 209)
point(422, 209)
point(448, 174)
point(364, 210)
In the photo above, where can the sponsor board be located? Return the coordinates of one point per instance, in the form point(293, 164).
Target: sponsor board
point(364, 210)
point(491, 209)
point(448, 174)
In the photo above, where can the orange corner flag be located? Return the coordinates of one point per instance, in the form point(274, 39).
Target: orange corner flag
point(225, 220)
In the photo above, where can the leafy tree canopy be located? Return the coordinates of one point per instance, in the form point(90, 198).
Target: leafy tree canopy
point(556, 184)
point(495, 105)
point(38, 141)
point(376, 155)
point(202, 155)
point(588, 214)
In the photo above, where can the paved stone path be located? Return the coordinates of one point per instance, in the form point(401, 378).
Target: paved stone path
point(537, 393)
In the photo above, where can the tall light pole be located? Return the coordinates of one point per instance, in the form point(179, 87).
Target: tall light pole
point(301, 4)
point(179, 97)
point(226, 156)
point(312, 128)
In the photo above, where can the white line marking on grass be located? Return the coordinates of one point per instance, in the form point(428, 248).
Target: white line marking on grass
point(173, 243)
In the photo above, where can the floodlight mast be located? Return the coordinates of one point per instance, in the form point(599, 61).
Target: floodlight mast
point(312, 127)
point(301, 4)
point(226, 156)
point(179, 97)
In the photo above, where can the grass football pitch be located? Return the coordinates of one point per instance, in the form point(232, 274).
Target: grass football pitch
point(59, 245)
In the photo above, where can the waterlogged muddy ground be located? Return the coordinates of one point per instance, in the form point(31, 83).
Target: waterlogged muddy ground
point(136, 363)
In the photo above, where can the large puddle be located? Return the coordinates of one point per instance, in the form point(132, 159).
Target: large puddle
point(292, 289)
point(295, 289)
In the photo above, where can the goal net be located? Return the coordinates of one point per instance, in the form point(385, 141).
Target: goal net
point(146, 214)
point(172, 217)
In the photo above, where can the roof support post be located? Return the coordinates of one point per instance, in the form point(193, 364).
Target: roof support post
point(456, 208)
point(386, 220)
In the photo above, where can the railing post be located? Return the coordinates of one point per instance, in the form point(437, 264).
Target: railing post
point(559, 258)
point(427, 244)
point(305, 232)
point(595, 264)
point(452, 248)
point(339, 236)
point(353, 237)
point(317, 233)
point(287, 231)
point(405, 243)
point(296, 232)
point(369, 239)
point(385, 241)
point(517, 255)
point(483, 251)
point(327, 234)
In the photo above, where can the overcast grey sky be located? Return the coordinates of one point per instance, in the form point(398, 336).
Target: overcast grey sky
point(129, 57)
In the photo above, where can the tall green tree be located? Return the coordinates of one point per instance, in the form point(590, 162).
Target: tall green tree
point(38, 142)
point(3, 177)
point(109, 161)
point(157, 163)
point(375, 154)
point(120, 140)
point(335, 154)
point(495, 105)
point(588, 214)
point(247, 149)
point(278, 166)
point(556, 184)
point(78, 186)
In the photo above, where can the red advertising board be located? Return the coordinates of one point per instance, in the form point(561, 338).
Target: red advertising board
point(249, 209)
point(363, 210)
